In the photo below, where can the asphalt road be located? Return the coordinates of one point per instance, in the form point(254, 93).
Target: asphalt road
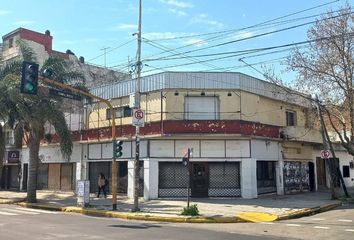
point(22, 223)
point(337, 224)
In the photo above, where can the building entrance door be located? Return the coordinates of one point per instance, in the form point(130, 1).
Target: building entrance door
point(321, 173)
point(199, 179)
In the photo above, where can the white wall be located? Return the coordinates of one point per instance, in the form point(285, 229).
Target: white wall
point(345, 159)
point(265, 150)
point(98, 151)
point(202, 149)
point(52, 154)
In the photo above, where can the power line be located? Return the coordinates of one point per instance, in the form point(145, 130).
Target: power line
point(255, 36)
point(245, 28)
point(252, 26)
point(248, 51)
point(111, 50)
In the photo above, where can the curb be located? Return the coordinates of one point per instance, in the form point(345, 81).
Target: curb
point(308, 211)
point(132, 216)
point(178, 219)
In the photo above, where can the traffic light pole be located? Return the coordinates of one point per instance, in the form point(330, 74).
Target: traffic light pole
point(114, 163)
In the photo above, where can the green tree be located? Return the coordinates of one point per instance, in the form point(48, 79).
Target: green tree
point(32, 112)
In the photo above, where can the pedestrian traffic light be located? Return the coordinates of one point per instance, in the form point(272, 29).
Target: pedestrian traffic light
point(117, 148)
point(29, 79)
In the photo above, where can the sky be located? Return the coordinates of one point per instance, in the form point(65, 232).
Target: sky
point(178, 35)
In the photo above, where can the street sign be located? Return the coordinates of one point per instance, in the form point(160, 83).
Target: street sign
point(138, 117)
point(64, 94)
point(325, 154)
point(13, 156)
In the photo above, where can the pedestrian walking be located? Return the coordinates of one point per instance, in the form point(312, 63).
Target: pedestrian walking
point(102, 182)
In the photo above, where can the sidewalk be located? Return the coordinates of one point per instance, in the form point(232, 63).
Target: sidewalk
point(265, 208)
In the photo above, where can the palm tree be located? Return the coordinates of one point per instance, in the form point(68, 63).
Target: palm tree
point(32, 112)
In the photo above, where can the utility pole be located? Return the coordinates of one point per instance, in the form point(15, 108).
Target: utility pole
point(339, 174)
point(104, 49)
point(137, 128)
point(326, 146)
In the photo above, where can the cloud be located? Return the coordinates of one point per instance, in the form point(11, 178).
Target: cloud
point(4, 12)
point(244, 34)
point(177, 12)
point(196, 42)
point(69, 42)
point(91, 40)
point(205, 19)
point(127, 26)
point(24, 23)
point(177, 3)
point(163, 35)
point(123, 26)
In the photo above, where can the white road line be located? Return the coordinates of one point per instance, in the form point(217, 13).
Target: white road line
point(320, 227)
point(8, 214)
point(344, 220)
point(293, 225)
point(349, 230)
point(21, 211)
point(267, 223)
point(317, 219)
point(37, 210)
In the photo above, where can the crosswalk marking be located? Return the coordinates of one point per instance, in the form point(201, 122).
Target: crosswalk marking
point(317, 219)
point(349, 230)
point(7, 213)
point(37, 210)
point(320, 227)
point(21, 211)
point(293, 225)
point(345, 220)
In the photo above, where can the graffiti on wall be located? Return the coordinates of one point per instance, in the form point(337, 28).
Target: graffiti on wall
point(296, 176)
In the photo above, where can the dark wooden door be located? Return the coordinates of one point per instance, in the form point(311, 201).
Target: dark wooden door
point(199, 179)
point(321, 172)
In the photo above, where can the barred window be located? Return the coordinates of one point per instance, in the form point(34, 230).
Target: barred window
point(120, 112)
point(290, 118)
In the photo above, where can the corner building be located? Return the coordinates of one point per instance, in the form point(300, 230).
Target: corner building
point(249, 137)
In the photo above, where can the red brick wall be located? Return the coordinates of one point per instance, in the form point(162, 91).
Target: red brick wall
point(37, 37)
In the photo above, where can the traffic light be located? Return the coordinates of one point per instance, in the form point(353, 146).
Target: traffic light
point(29, 79)
point(117, 148)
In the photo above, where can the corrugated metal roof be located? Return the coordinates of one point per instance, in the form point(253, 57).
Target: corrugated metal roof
point(200, 80)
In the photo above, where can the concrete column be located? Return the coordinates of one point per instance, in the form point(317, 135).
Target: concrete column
point(279, 176)
point(130, 179)
point(151, 173)
point(249, 178)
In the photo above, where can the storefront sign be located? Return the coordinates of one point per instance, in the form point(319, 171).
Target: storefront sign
point(13, 156)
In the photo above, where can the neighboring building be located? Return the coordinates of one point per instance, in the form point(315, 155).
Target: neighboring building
point(42, 47)
point(74, 112)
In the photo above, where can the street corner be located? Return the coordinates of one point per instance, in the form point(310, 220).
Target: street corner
point(11, 200)
point(43, 206)
point(257, 217)
point(309, 211)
